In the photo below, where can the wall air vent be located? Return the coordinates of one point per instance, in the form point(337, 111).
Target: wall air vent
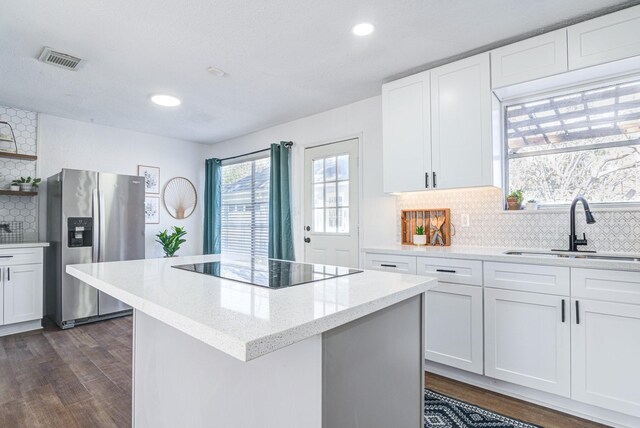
point(59, 59)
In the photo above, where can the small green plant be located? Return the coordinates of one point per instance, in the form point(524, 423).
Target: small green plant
point(531, 201)
point(420, 230)
point(171, 242)
point(33, 181)
point(517, 195)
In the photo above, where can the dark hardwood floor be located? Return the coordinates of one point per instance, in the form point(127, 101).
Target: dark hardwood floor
point(73, 378)
point(82, 378)
point(505, 405)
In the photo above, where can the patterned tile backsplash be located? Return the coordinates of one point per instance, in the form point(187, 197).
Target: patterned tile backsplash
point(491, 226)
point(19, 208)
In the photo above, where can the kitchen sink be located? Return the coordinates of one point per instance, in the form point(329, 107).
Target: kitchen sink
point(574, 255)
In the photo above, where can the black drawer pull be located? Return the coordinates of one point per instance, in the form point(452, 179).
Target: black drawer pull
point(577, 312)
point(562, 310)
point(5, 257)
point(446, 270)
point(386, 265)
point(426, 180)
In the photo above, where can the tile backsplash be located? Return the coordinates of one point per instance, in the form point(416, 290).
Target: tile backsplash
point(490, 225)
point(19, 208)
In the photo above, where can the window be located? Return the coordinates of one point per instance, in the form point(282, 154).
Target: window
point(331, 194)
point(580, 143)
point(245, 207)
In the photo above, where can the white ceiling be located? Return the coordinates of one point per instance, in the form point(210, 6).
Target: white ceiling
point(285, 59)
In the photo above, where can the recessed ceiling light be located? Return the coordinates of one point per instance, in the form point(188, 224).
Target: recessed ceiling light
point(363, 29)
point(216, 71)
point(165, 100)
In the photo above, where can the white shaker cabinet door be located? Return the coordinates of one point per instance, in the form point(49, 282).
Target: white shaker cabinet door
point(605, 348)
point(22, 293)
point(527, 340)
point(454, 326)
point(604, 39)
point(406, 133)
point(461, 137)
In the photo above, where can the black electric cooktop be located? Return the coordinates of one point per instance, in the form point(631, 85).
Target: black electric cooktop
point(267, 272)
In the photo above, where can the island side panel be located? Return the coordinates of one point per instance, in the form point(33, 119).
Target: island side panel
point(373, 369)
point(180, 381)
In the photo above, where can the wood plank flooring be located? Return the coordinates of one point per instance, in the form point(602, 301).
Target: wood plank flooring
point(82, 378)
point(505, 405)
point(73, 378)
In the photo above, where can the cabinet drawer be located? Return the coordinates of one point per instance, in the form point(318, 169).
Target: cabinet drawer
point(390, 263)
point(523, 277)
point(614, 286)
point(455, 271)
point(20, 256)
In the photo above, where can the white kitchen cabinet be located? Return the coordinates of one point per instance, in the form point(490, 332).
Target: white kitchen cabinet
point(454, 326)
point(390, 263)
point(530, 59)
point(604, 39)
point(461, 136)
point(605, 347)
point(608, 285)
point(527, 340)
point(526, 277)
point(406, 142)
point(455, 271)
point(22, 293)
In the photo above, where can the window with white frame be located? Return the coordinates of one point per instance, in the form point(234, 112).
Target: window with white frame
point(582, 142)
point(245, 207)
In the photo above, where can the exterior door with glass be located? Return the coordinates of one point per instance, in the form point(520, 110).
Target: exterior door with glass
point(331, 190)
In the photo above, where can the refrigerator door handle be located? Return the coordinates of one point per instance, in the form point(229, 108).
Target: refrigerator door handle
point(102, 227)
point(95, 254)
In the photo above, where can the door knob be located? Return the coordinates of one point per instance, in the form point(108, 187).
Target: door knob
point(307, 240)
point(307, 228)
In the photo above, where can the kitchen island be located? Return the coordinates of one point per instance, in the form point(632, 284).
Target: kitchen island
point(340, 352)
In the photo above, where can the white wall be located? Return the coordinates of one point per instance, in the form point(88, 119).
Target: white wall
point(362, 119)
point(65, 143)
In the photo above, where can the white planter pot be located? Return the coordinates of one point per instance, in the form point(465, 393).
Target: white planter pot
point(14, 188)
point(419, 239)
point(532, 206)
point(25, 187)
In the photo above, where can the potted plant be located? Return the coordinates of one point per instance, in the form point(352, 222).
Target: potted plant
point(420, 238)
point(532, 205)
point(171, 242)
point(25, 184)
point(514, 200)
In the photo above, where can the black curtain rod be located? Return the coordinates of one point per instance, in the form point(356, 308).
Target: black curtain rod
point(287, 144)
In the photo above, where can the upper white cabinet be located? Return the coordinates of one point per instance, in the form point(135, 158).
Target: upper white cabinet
point(406, 141)
point(530, 59)
point(604, 39)
point(461, 138)
point(605, 347)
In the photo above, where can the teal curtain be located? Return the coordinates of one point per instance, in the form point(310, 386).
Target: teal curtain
point(280, 224)
point(212, 206)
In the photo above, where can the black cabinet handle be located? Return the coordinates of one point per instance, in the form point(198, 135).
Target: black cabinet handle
point(577, 312)
point(434, 180)
point(446, 270)
point(562, 310)
point(426, 180)
point(8, 274)
point(386, 265)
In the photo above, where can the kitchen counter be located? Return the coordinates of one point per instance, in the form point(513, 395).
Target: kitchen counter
point(216, 352)
point(491, 254)
point(25, 244)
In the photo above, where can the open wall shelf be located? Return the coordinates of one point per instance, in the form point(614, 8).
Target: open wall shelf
point(17, 193)
point(18, 156)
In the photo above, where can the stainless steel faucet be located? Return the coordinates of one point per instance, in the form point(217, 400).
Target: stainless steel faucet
point(574, 242)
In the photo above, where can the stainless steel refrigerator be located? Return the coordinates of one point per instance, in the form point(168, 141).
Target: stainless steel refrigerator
point(91, 217)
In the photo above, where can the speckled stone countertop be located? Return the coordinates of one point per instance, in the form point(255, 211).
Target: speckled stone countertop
point(490, 254)
point(242, 320)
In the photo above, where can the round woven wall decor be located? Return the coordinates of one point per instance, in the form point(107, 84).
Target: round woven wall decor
point(180, 197)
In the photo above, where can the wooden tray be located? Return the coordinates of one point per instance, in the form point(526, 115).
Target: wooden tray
point(429, 218)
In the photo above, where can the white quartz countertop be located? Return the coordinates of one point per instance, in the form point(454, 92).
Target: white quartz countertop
point(491, 254)
point(24, 244)
point(242, 320)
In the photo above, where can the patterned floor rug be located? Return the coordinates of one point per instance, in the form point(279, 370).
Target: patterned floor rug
point(441, 411)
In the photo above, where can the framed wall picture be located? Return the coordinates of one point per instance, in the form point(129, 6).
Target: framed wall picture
point(152, 210)
point(151, 176)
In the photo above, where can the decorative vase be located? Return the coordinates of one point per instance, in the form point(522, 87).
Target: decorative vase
point(513, 204)
point(26, 187)
point(14, 188)
point(419, 239)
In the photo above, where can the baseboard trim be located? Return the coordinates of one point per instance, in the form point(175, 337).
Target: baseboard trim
point(555, 402)
point(21, 327)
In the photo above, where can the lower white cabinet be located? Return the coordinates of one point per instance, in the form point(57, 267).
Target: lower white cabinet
point(528, 340)
point(605, 355)
point(454, 326)
point(22, 293)
point(390, 263)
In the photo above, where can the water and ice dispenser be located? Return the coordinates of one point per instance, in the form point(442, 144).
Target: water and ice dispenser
point(80, 231)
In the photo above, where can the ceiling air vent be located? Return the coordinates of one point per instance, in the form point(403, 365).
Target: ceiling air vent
point(60, 59)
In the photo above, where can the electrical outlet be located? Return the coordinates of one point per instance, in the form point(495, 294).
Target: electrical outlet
point(464, 220)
